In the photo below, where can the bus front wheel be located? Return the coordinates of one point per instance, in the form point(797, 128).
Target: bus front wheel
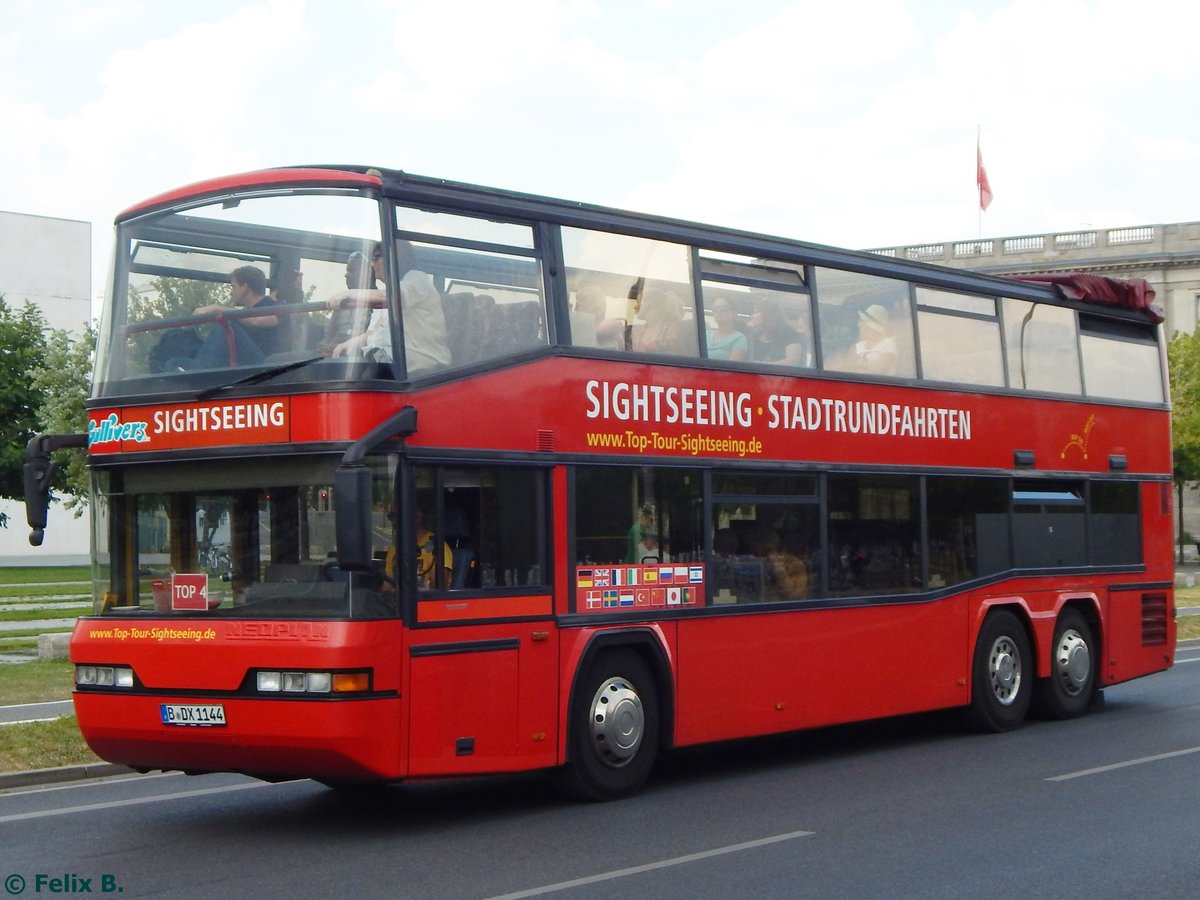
point(1002, 674)
point(614, 728)
point(1072, 682)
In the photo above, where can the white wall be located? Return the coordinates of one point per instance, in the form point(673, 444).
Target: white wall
point(66, 541)
point(49, 263)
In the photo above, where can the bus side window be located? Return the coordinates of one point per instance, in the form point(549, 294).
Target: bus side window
point(490, 524)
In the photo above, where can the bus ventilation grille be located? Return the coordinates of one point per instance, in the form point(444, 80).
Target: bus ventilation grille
point(1164, 499)
point(1154, 620)
point(545, 440)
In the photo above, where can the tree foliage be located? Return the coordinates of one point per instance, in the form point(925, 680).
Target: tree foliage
point(62, 384)
point(1183, 357)
point(1183, 361)
point(22, 349)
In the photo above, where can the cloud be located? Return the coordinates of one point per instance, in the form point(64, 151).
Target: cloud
point(446, 58)
point(846, 123)
point(175, 108)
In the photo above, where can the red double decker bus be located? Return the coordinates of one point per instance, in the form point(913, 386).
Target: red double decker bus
point(467, 481)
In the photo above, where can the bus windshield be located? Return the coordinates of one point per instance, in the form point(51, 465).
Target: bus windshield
point(192, 285)
point(256, 539)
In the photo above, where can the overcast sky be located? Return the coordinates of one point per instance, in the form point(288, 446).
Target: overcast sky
point(850, 123)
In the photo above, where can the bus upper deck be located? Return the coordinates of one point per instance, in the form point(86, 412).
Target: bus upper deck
point(515, 276)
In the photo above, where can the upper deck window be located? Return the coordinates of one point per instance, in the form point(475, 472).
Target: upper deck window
point(488, 278)
point(1042, 347)
point(238, 284)
point(463, 228)
point(630, 293)
point(1120, 361)
point(960, 338)
point(866, 324)
point(757, 310)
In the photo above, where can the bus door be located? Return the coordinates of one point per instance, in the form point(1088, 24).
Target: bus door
point(482, 652)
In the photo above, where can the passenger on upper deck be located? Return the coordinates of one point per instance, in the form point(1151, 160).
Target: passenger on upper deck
point(359, 276)
point(725, 341)
point(663, 329)
point(876, 349)
point(254, 338)
point(424, 322)
point(773, 338)
point(591, 316)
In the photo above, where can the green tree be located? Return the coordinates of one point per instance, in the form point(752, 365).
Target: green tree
point(62, 382)
point(1183, 360)
point(22, 348)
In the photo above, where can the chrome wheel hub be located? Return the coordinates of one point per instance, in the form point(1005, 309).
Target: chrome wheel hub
point(1004, 670)
point(1072, 662)
point(618, 721)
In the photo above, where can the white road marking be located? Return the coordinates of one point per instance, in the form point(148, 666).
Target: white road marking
point(650, 867)
point(91, 807)
point(1124, 765)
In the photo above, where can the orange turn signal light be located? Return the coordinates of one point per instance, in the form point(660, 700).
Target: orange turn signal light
point(348, 682)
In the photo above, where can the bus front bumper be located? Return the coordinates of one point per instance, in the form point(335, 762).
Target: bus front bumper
point(275, 739)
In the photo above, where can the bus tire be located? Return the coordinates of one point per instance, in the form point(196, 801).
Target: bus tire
point(1068, 691)
point(614, 728)
point(1002, 674)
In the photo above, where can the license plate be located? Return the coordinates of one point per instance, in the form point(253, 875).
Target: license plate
point(179, 714)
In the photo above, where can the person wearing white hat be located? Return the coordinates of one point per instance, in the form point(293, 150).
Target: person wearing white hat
point(876, 348)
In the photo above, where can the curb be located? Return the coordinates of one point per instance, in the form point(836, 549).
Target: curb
point(61, 774)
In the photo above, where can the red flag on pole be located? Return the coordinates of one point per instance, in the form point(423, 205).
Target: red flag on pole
point(981, 180)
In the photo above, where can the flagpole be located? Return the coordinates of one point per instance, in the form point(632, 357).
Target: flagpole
point(978, 186)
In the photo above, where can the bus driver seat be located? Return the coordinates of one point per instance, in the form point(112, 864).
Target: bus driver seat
point(457, 535)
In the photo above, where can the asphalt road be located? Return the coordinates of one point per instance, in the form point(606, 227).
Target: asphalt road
point(1103, 806)
point(36, 712)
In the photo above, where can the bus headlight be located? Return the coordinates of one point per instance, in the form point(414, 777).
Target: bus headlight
point(268, 681)
point(104, 676)
point(277, 682)
point(317, 682)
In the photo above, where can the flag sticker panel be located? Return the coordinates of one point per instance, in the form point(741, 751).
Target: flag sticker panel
point(636, 588)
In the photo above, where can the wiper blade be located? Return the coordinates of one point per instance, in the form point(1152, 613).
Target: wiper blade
point(257, 377)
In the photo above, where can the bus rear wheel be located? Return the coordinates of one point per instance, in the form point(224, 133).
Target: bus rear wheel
point(1069, 689)
point(1001, 677)
point(614, 728)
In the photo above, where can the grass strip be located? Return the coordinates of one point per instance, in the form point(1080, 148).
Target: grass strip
point(13, 594)
point(44, 574)
point(34, 632)
point(43, 745)
point(25, 615)
point(36, 681)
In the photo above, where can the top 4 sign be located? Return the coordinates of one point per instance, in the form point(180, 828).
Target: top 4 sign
point(189, 591)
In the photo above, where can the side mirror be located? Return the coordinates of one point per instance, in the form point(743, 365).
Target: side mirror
point(352, 513)
point(352, 501)
point(38, 471)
